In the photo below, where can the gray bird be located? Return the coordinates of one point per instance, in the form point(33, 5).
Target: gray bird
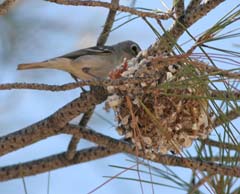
point(90, 63)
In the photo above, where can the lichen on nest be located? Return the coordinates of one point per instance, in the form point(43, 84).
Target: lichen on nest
point(165, 113)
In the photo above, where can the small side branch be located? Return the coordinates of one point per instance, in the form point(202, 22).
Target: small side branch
point(201, 182)
point(221, 145)
point(108, 24)
point(72, 147)
point(210, 167)
point(229, 116)
point(113, 7)
point(74, 85)
point(46, 87)
point(225, 95)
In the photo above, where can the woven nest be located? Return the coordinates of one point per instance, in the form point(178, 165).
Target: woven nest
point(163, 113)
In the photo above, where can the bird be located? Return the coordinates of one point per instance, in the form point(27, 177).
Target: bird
point(89, 63)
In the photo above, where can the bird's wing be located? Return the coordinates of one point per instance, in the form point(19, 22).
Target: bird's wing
point(88, 51)
point(64, 62)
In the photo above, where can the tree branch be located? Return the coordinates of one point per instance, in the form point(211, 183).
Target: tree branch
point(195, 14)
point(53, 162)
point(202, 181)
point(74, 85)
point(178, 8)
point(72, 147)
point(194, 4)
point(121, 8)
point(57, 122)
point(225, 95)
point(86, 155)
point(111, 146)
point(169, 38)
point(229, 116)
point(51, 125)
point(108, 24)
point(221, 145)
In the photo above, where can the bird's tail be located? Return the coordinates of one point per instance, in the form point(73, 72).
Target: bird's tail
point(59, 63)
point(31, 66)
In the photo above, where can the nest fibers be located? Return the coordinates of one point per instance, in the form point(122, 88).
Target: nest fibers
point(166, 110)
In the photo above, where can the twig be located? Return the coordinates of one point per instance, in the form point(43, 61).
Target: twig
point(212, 71)
point(221, 145)
point(229, 116)
point(184, 58)
point(108, 24)
point(72, 147)
point(98, 138)
point(73, 85)
point(225, 159)
point(113, 7)
point(199, 184)
point(6, 6)
point(210, 167)
point(225, 95)
point(53, 88)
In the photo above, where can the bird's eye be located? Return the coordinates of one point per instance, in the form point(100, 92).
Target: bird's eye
point(135, 49)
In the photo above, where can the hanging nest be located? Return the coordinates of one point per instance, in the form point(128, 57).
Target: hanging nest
point(166, 110)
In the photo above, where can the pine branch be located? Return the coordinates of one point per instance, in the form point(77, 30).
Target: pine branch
point(51, 125)
point(108, 24)
point(107, 5)
point(229, 116)
point(72, 147)
point(111, 146)
point(58, 122)
point(52, 162)
point(165, 44)
point(178, 8)
point(74, 85)
point(194, 15)
point(225, 95)
point(194, 4)
point(201, 182)
point(221, 145)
